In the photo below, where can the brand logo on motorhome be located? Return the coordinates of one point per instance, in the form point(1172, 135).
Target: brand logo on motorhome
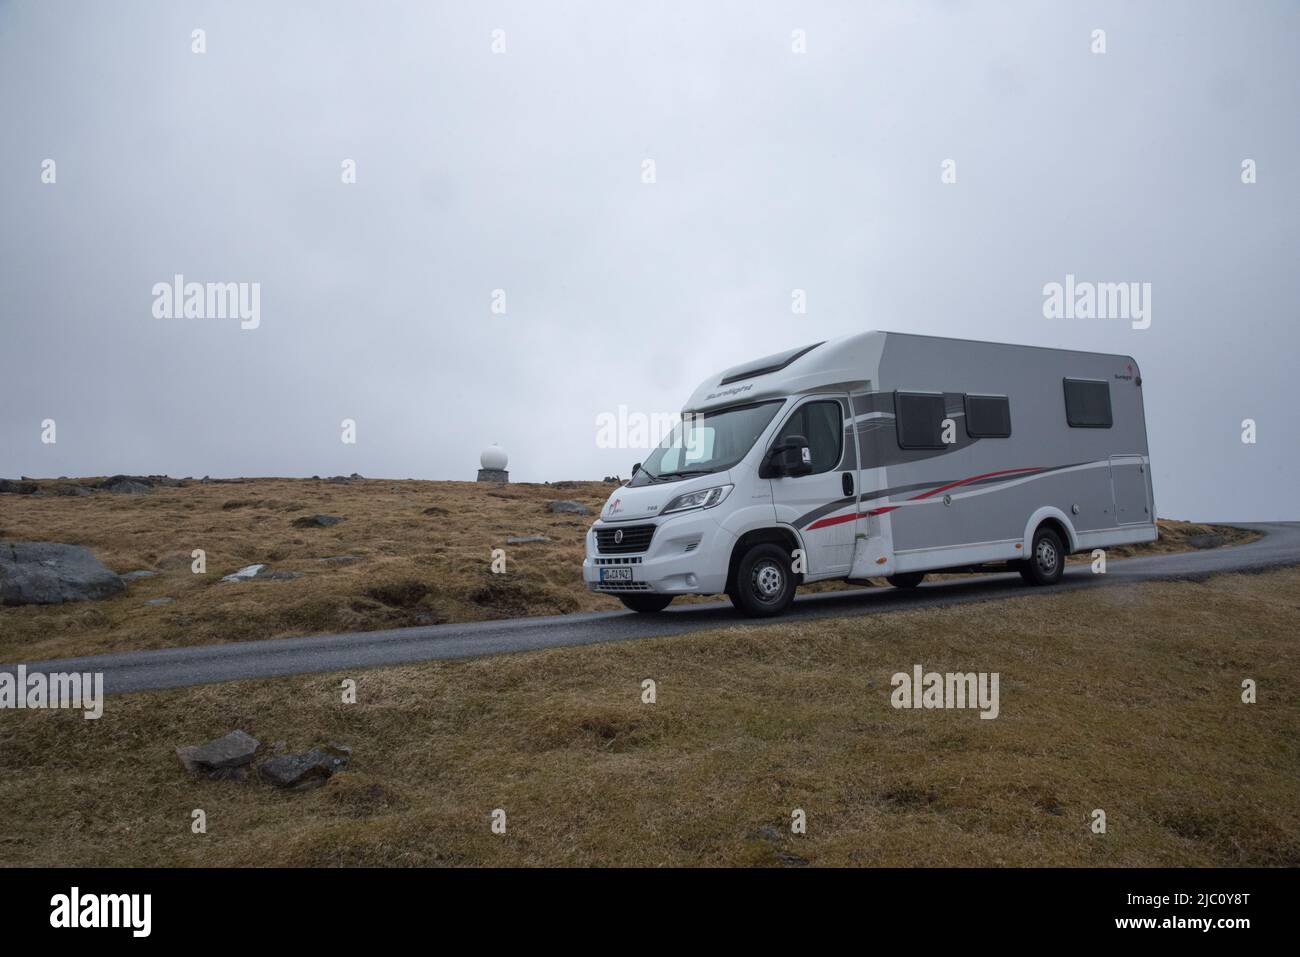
point(734, 390)
point(1098, 300)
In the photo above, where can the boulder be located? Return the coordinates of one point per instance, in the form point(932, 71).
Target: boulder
point(18, 488)
point(226, 757)
point(303, 770)
point(142, 573)
point(165, 600)
point(47, 573)
point(126, 485)
point(316, 521)
point(572, 508)
point(525, 539)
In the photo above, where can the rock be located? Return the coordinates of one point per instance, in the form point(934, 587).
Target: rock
point(316, 521)
point(221, 758)
point(47, 573)
point(1212, 540)
point(244, 574)
point(126, 485)
point(279, 576)
point(305, 769)
point(435, 510)
point(340, 559)
point(339, 480)
point(165, 600)
point(525, 539)
point(573, 508)
point(73, 490)
point(356, 477)
point(18, 488)
point(142, 573)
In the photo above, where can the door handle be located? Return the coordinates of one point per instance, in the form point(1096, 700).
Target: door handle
point(846, 483)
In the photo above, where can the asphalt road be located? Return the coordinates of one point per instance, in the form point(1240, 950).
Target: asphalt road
point(178, 667)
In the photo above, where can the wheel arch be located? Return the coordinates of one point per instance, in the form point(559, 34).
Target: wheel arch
point(782, 535)
point(1056, 519)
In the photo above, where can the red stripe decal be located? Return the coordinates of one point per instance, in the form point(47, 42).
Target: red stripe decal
point(835, 520)
point(838, 519)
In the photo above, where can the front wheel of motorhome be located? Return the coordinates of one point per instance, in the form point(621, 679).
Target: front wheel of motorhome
point(646, 603)
point(1046, 562)
point(764, 583)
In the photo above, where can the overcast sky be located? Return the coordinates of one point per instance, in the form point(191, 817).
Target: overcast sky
point(523, 171)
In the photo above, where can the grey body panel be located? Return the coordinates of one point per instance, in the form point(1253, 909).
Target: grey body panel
point(1075, 463)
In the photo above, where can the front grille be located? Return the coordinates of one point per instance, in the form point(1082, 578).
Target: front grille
point(620, 586)
point(635, 538)
point(634, 560)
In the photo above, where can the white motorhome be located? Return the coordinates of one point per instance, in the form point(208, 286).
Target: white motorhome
point(880, 455)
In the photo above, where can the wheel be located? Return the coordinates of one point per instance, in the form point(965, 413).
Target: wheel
point(906, 579)
point(764, 582)
point(1046, 562)
point(646, 603)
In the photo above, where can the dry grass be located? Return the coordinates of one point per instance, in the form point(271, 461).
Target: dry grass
point(423, 553)
point(1125, 698)
point(422, 548)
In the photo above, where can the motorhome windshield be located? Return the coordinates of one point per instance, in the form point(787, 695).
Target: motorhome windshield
point(705, 442)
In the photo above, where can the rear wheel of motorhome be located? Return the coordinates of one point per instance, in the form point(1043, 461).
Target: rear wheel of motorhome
point(764, 582)
point(1046, 562)
point(646, 603)
point(906, 579)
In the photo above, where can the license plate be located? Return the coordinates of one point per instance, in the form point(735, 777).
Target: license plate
point(616, 574)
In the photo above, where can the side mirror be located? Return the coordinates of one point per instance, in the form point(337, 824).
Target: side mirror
point(636, 468)
point(790, 457)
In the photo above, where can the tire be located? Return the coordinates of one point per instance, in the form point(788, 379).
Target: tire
point(765, 584)
point(1046, 562)
point(906, 579)
point(646, 604)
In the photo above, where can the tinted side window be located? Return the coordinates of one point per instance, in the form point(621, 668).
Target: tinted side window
point(1087, 403)
point(822, 424)
point(988, 416)
point(919, 420)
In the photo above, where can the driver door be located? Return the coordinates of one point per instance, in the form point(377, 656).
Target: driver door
point(822, 506)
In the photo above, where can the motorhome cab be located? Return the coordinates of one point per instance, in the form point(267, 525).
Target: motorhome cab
point(880, 455)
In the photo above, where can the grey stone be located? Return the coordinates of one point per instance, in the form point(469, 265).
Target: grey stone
point(572, 508)
point(305, 769)
point(165, 600)
point(142, 573)
point(525, 539)
point(222, 757)
point(316, 521)
point(500, 476)
point(47, 573)
point(73, 490)
point(340, 559)
point(246, 573)
point(17, 488)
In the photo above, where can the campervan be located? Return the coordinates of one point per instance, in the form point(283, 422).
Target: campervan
point(880, 455)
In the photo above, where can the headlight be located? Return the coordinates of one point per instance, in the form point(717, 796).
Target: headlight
point(704, 498)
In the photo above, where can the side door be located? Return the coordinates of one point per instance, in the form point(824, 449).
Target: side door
point(1128, 481)
point(823, 504)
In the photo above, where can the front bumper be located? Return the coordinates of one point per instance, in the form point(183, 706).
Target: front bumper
point(688, 555)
